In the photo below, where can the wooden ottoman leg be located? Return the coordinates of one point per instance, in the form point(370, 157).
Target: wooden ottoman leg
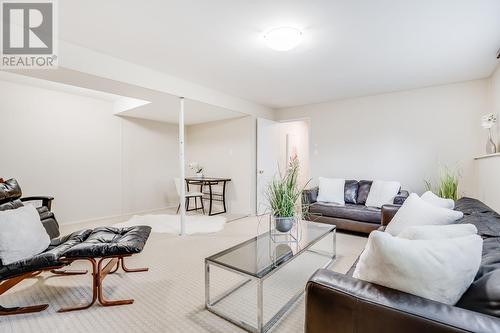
point(22, 309)
point(94, 290)
point(131, 270)
point(68, 272)
point(116, 268)
point(102, 272)
point(7, 284)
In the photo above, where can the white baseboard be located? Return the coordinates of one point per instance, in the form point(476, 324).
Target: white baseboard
point(118, 218)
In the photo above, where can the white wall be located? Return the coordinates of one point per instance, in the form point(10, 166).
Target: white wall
point(99, 165)
point(495, 102)
point(402, 136)
point(150, 164)
point(227, 149)
point(73, 148)
point(488, 169)
point(488, 181)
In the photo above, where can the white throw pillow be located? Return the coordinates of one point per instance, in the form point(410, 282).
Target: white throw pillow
point(438, 231)
point(331, 190)
point(22, 234)
point(439, 269)
point(433, 199)
point(382, 193)
point(416, 211)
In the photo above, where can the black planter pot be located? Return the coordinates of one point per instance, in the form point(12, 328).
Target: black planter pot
point(284, 224)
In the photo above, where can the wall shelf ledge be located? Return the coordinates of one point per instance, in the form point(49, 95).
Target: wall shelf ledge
point(487, 156)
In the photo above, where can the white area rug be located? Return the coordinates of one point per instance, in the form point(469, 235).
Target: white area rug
point(171, 224)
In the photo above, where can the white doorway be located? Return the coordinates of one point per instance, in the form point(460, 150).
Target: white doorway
point(277, 142)
point(268, 144)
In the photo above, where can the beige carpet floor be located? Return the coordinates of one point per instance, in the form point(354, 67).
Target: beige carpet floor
point(168, 298)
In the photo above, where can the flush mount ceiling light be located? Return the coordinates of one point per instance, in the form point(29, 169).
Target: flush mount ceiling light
point(283, 38)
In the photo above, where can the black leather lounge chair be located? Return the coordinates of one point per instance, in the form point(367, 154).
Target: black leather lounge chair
point(105, 248)
point(11, 198)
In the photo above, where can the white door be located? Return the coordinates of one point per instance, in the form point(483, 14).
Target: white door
point(268, 145)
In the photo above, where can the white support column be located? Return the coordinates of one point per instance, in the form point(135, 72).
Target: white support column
point(182, 164)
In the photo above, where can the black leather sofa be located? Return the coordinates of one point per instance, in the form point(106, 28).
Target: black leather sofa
point(105, 248)
point(339, 303)
point(354, 215)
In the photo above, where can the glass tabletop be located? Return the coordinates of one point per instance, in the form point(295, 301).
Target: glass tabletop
point(260, 255)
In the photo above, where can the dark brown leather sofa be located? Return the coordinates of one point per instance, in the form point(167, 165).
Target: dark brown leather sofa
point(339, 303)
point(354, 215)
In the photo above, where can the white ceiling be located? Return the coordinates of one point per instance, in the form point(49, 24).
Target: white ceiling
point(165, 108)
point(350, 48)
point(129, 100)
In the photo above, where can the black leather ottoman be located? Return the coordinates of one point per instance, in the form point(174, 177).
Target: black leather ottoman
point(105, 248)
point(110, 241)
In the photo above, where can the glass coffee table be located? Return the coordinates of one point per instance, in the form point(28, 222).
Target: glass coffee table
point(254, 283)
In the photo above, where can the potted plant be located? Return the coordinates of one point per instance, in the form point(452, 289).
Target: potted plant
point(447, 186)
point(198, 170)
point(283, 194)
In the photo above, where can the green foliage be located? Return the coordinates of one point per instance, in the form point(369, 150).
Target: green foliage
point(428, 185)
point(447, 186)
point(283, 192)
